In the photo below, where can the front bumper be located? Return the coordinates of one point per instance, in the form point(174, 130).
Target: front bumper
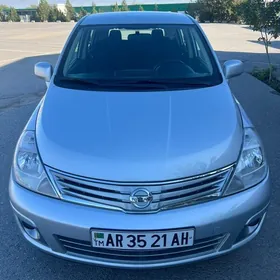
point(47, 223)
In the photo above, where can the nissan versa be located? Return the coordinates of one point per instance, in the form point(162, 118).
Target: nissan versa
point(139, 156)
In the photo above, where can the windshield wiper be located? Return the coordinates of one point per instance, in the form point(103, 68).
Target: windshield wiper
point(165, 83)
point(114, 83)
point(78, 81)
point(196, 85)
point(183, 82)
point(144, 84)
point(135, 83)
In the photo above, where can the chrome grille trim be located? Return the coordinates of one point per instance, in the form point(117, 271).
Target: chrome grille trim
point(84, 249)
point(116, 195)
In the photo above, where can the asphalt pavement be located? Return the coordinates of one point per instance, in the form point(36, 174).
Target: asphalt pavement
point(20, 92)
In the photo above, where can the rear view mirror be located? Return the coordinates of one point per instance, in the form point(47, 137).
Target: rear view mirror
point(233, 68)
point(43, 70)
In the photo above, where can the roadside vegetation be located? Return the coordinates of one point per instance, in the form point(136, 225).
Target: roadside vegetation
point(51, 13)
point(264, 75)
point(204, 10)
point(216, 10)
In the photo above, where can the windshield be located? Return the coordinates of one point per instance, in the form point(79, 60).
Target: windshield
point(137, 56)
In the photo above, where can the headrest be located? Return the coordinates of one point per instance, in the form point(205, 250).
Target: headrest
point(115, 35)
point(157, 34)
point(139, 37)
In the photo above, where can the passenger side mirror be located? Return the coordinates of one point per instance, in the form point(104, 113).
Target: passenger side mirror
point(233, 68)
point(43, 70)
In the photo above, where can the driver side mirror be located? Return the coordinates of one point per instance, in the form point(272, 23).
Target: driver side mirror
point(43, 70)
point(233, 68)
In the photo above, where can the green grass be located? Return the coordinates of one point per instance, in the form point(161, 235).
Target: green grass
point(263, 75)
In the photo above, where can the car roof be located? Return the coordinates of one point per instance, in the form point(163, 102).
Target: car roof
point(137, 18)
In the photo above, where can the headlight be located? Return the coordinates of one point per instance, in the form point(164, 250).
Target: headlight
point(252, 167)
point(28, 169)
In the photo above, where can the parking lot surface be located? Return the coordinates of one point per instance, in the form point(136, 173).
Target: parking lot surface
point(21, 46)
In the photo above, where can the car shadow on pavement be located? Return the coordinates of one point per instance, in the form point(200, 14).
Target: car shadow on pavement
point(251, 60)
point(19, 85)
point(273, 45)
point(247, 27)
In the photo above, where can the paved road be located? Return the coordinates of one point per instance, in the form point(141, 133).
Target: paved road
point(258, 260)
point(240, 42)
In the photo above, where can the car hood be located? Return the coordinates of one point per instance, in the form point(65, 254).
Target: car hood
point(139, 136)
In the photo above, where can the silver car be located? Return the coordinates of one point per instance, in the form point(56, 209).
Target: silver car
point(139, 156)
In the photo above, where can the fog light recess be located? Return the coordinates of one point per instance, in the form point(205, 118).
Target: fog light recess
point(30, 230)
point(250, 227)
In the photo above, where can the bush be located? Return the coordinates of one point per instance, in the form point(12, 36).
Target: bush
point(206, 16)
point(193, 10)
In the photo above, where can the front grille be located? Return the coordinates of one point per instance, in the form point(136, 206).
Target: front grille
point(84, 249)
point(116, 195)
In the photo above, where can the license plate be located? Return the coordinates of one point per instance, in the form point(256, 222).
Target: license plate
point(142, 240)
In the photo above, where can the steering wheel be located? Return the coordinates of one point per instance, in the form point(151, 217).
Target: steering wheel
point(176, 67)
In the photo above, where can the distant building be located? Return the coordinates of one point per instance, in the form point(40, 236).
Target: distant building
point(26, 14)
point(62, 8)
point(168, 6)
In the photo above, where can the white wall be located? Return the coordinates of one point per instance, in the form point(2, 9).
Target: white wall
point(61, 7)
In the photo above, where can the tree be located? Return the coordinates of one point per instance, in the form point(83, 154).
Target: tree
point(141, 9)
point(156, 7)
point(216, 10)
point(205, 10)
point(70, 12)
point(116, 8)
point(53, 14)
point(82, 13)
point(193, 10)
point(237, 10)
point(61, 16)
point(43, 10)
point(2, 14)
point(264, 17)
point(124, 7)
point(13, 15)
point(93, 11)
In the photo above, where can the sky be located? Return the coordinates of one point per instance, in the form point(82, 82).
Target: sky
point(26, 3)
